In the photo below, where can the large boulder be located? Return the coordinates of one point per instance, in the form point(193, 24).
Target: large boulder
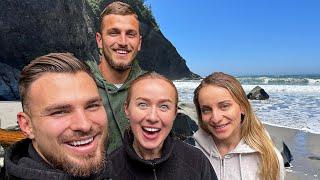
point(8, 82)
point(32, 28)
point(257, 93)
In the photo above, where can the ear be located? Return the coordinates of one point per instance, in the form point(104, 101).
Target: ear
point(140, 42)
point(99, 40)
point(126, 106)
point(25, 125)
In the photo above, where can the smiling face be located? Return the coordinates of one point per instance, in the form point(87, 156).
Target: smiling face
point(151, 111)
point(220, 114)
point(119, 40)
point(67, 122)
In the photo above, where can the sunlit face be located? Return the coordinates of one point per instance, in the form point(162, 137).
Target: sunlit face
point(220, 113)
point(67, 122)
point(151, 111)
point(119, 40)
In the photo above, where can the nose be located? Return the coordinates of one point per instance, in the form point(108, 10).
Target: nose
point(123, 39)
point(153, 116)
point(216, 116)
point(80, 122)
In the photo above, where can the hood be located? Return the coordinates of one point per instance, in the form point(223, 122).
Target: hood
point(22, 161)
point(206, 143)
point(166, 150)
point(102, 83)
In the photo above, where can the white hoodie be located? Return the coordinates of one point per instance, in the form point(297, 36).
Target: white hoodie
point(241, 163)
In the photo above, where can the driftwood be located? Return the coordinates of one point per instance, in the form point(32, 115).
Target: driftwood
point(8, 137)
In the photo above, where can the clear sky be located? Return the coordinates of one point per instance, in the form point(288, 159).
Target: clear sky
point(243, 37)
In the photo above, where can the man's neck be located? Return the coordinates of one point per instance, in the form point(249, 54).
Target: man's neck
point(111, 75)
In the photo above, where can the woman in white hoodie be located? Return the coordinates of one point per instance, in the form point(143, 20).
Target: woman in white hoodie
point(230, 134)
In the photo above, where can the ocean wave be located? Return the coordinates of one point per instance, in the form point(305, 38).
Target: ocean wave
point(280, 80)
point(290, 106)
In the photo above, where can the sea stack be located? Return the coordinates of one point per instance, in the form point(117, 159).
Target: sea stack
point(257, 93)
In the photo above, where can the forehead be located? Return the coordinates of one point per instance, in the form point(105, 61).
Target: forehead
point(125, 22)
point(153, 87)
point(210, 93)
point(55, 88)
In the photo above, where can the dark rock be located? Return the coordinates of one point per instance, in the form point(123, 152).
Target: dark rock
point(286, 155)
point(314, 157)
point(33, 28)
point(8, 83)
point(184, 126)
point(257, 93)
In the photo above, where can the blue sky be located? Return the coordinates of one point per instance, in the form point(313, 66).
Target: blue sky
point(243, 37)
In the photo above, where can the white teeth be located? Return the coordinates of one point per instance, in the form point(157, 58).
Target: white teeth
point(81, 142)
point(152, 129)
point(122, 52)
point(220, 126)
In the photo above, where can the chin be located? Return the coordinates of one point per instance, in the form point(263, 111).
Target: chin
point(150, 146)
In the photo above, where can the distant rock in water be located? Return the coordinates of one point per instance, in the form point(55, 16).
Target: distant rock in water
point(257, 93)
point(33, 28)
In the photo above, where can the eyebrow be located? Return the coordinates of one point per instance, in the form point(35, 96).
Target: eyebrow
point(54, 107)
point(94, 100)
point(225, 101)
point(205, 106)
point(161, 101)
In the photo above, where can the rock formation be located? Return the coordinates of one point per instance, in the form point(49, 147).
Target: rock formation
point(257, 93)
point(32, 28)
point(8, 82)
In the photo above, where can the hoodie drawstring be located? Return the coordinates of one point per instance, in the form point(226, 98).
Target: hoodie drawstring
point(240, 166)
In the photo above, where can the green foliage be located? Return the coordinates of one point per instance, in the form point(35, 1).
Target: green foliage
point(147, 12)
point(95, 6)
point(140, 6)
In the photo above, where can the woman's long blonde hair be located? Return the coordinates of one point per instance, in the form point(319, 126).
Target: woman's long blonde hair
point(252, 130)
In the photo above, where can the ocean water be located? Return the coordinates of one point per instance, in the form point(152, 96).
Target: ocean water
point(294, 100)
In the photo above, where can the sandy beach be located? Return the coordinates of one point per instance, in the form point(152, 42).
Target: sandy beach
point(8, 113)
point(304, 146)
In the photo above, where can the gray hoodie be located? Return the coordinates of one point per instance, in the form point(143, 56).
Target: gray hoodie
point(240, 163)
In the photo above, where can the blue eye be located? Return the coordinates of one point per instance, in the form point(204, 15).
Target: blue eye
point(164, 107)
point(93, 107)
point(132, 34)
point(59, 113)
point(142, 105)
point(225, 106)
point(205, 110)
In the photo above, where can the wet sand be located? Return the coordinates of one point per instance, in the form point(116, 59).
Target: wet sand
point(305, 149)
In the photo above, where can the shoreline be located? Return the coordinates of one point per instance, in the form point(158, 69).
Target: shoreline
point(305, 149)
point(304, 146)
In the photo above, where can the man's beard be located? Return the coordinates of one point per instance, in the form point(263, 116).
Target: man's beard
point(120, 67)
point(89, 165)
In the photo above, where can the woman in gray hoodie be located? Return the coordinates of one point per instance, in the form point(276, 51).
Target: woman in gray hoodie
point(231, 135)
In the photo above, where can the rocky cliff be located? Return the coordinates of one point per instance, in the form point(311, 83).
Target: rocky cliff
point(31, 28)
